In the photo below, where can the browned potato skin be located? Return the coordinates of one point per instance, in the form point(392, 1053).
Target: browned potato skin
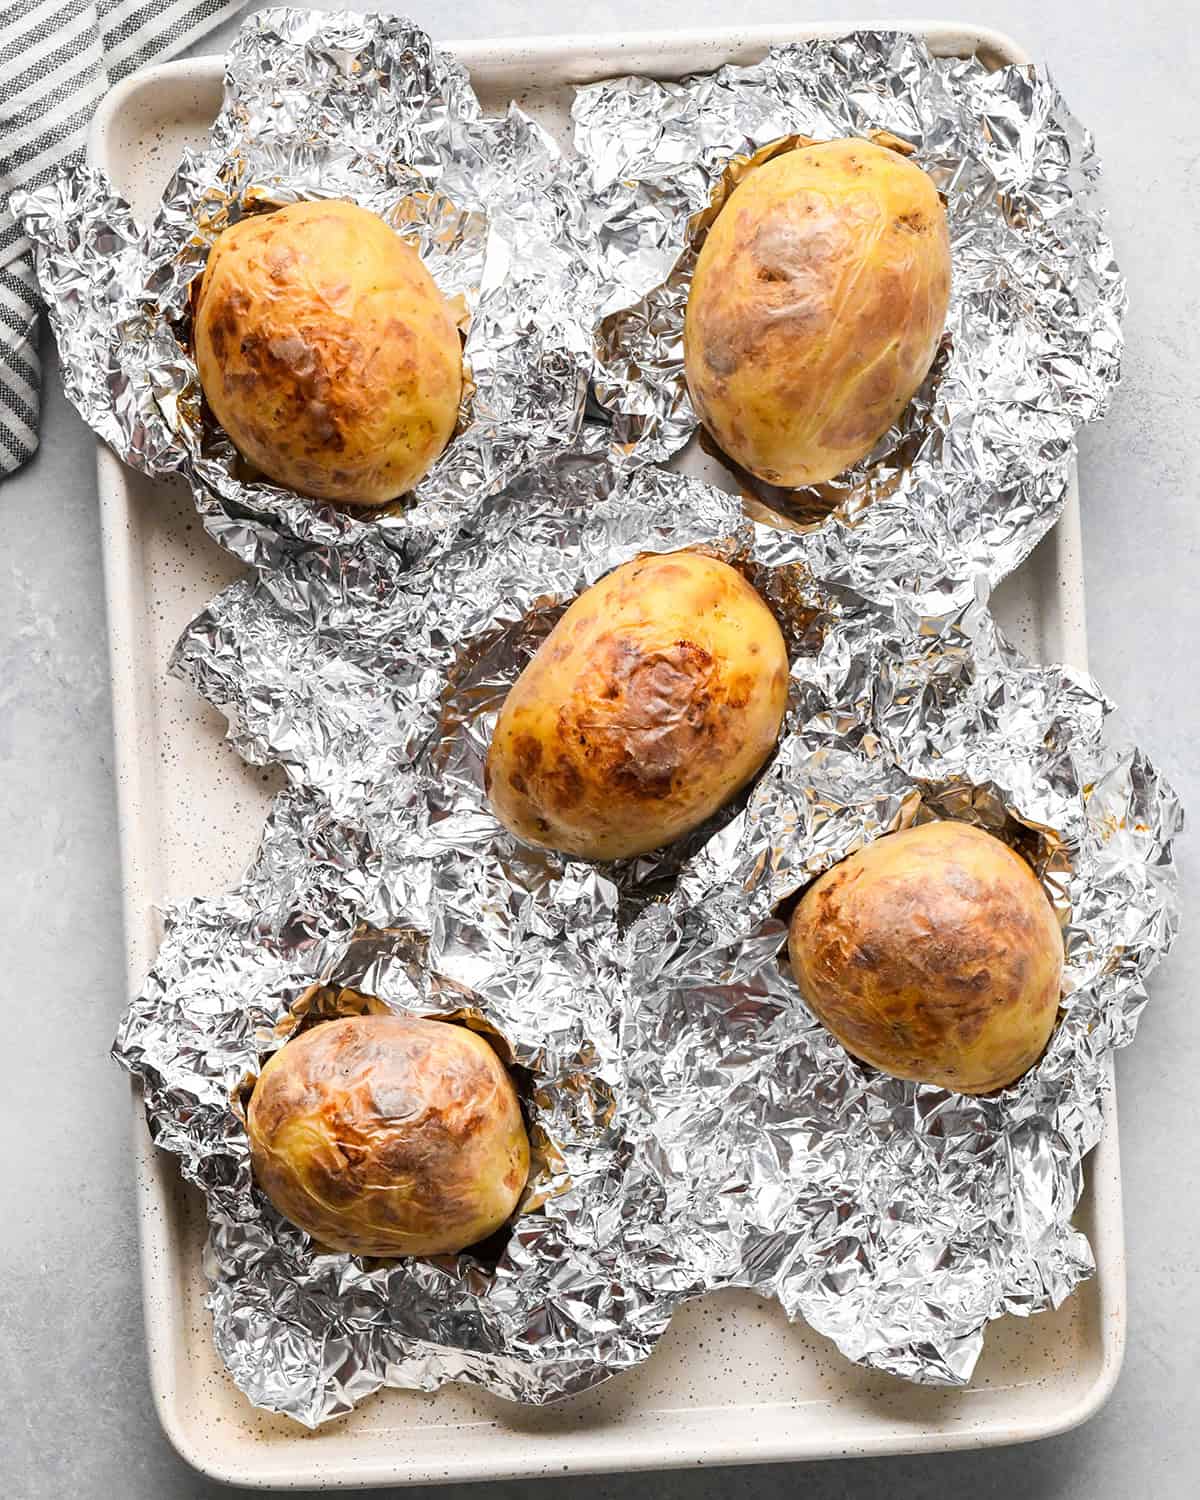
point(932, 954)
point(653, 700)
point(389, 1135)
point(327, 352)
point(816, 307)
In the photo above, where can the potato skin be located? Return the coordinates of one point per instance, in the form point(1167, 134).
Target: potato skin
point(327, 352)
point(816, 307)
point(653, 700)
point(932, 954)
point(389, 1135)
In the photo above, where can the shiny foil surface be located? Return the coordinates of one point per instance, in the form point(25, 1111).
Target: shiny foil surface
point(977, 468)
point(693, 1127)
point(321, 105)
point(706, 1130)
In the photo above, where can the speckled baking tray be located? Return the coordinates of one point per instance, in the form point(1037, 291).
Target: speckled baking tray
point(732, 1381)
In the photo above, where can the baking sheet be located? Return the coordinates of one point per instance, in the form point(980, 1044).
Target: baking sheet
point(732, 1382)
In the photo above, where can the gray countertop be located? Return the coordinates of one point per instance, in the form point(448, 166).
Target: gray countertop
point(76, 1416)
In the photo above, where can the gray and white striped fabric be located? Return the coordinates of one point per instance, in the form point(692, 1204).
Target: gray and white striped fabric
point(57, 58)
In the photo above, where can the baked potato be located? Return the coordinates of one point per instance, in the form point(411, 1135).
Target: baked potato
point(653, 700)
point(327, 352)
point(933, 954)
point(816, 307)
point(389, 1135)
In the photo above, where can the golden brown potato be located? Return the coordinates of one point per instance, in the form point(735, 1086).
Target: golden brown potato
point(816, 307)
point(933, 954)
point(389, 1135)
point(327, 352)
point(653, 700)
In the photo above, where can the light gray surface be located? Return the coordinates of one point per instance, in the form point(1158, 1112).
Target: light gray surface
point(76, 1417)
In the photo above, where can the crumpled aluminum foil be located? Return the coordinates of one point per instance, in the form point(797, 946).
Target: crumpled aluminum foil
point(578, 269)
point(712, 1132)
point(693, 1127)
point(321, 105)
point(977, 468)
point(896, 1218)
point(324, 908)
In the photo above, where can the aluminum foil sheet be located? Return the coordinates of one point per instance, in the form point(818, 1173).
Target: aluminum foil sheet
point(321, 105)
point(977, 469)
point(693, 1127)
point(698, 1128)
point(562, 1303)
point(896, 1218)
point(571, 270)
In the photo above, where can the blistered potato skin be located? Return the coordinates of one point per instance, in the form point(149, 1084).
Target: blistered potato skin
point(327, 352)
point(932, 954)
point(387, 1135)
point(816, 307)
point(653, 700)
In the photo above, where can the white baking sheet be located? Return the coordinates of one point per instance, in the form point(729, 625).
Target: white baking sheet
point(732, 1382)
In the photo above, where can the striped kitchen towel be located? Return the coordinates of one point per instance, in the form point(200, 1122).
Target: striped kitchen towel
point(57, 58)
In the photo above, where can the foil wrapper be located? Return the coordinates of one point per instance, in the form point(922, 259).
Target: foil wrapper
point(364, 108)
point(693, 1127)
point(977, 468)
point(898, 1219)
point(700, 1129)
point(561, 1303)
point(577, 270)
